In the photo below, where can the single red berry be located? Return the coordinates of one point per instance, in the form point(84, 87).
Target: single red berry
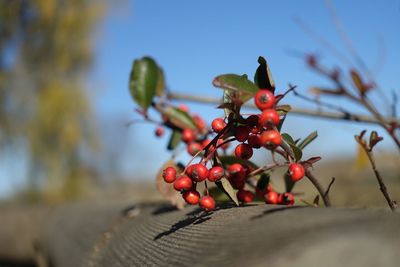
point(216, 173)
point(200, 123)
point(237, 175)
point(191, 197)
point(254, 141)
point(193, 148)
point(272, 197)
point(236, 169)
point(198, 172)
point(220, 144)
point(245, 196)
point(269, 117)
point(296, 171)
point(242, 133)
point(264, 99)
point(183, 107)
point(286, 199)
point(183, 183)
point(188, 135)
point(218, 125)
point(271, 139)
point(243, 151)
point(207, 203)
point(159, 131)
point(169, 175)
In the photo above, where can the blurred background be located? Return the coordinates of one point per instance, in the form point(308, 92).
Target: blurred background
point(65, 103)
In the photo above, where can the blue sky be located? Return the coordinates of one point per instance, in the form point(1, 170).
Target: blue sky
point(196, 40)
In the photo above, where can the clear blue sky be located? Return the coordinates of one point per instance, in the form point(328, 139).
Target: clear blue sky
point(196, 40)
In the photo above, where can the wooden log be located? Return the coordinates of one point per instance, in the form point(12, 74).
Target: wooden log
point(119, 234)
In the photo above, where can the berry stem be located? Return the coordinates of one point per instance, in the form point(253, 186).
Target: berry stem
point(323, 193)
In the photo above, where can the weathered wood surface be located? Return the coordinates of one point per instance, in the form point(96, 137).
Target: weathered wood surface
point(118, 234)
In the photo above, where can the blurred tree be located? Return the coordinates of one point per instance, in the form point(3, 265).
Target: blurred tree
point(45, 52)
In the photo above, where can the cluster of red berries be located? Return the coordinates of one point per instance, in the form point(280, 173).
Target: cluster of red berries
point(254, 132)
point(186, 183)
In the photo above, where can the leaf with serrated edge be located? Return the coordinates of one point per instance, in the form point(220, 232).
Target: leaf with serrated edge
point(311, 137)
point(226, 186)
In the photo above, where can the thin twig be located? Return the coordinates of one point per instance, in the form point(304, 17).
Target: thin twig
point(319, 187)
point(329, 187)
point(298, 111)
point(392, 204)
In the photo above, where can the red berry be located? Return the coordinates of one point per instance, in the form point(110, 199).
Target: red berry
point(243, 151)
point(193, 148)
point(183, 183)
point(272, 197)
point(237, 175)
point(159, 131)
point(191, 197)
point(264, 99)
point(207, 202)
point(169, 175)
point(216, 173)
point(183, 107)
point(200, 123)
point(188, 135)
point(245, 196)
point(254, 141)
point(271, 139)
point(242, 133)
point(218, 125)
point(269, 117)
point(198, 172)
point(286, 199)
point(296, 171)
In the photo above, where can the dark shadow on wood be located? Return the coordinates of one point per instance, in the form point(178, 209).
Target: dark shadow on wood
point(164, 209)
point(270, 211)
point(194, 219)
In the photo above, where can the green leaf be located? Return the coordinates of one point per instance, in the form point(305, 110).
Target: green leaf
point(283, 109)
point(218, 194)
point(237, 83)
point(263, 181)
point(263, 76)
point(143, 81)
point(311, 137)
point(229, 160)
point(287, 138)
point(289, 184)
point(289, 144)
point(160, 83)
point(174, 140)
point(226, 186)
point(298, 154)
point(179, 117)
